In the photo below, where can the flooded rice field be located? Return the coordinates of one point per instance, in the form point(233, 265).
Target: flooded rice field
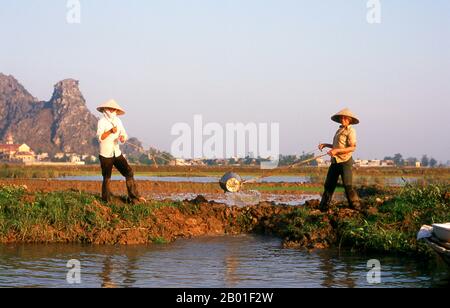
point(361, 180)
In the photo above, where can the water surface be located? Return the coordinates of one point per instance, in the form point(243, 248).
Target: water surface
point(227, 261)
point(359, 180)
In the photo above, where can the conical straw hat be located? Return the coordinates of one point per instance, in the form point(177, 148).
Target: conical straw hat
point(345, 112)
point(111, 104)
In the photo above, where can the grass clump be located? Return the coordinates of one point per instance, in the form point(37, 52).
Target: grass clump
point(389, 228)
point(159, 240)
point(29, 215)
point(301, 226)
point(394, 227)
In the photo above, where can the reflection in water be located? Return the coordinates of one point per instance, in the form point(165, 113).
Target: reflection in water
point(129, 279)
point(106, 274)
point(232, 276)
point(229, 261)
point(330, 269)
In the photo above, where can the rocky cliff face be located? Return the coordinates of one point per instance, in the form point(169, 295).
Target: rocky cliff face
point(74, 127)
point(15, 102)
point(63, 124)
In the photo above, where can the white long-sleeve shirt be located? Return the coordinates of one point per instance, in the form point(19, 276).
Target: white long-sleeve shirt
point(110, 146)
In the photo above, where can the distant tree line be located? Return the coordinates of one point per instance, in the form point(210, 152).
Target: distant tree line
point(163, 158)
point(411, 161)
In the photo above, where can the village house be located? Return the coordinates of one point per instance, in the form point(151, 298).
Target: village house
point(387, 163)
point(374, 163)
point(73, 158)
point(16, 152)
point(322, 162)
point(43, 156)
point(89, 158)
point(59, 155)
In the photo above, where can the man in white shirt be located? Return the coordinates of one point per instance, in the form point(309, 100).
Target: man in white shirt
point(111, 133)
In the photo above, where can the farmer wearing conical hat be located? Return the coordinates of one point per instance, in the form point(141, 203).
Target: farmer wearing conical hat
point(110, 133)
point(344, 144)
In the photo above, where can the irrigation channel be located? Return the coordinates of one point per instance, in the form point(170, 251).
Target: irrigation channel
point(226, 261)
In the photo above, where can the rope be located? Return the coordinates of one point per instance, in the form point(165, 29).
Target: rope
point(289, 167)
point(244, 182)
point(140, 148)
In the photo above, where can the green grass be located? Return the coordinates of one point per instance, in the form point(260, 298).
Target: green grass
point(299, 224)
point(394, 227)
point(27, 215)
point(159, 240)
point(61, 211)
point(390, 229)
point(38, 172)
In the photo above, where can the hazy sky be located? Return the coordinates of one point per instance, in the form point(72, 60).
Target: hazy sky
point(289, 61)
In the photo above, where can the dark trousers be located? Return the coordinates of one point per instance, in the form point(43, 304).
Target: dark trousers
point(124, 168)
point(345, 171)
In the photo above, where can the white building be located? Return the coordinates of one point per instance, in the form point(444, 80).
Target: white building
point(16, 152)
point(75, 158)
point(323, 163)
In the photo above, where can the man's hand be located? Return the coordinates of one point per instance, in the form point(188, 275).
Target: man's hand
point(333, 152)
point(108, 133)
point(324, 145)
point(122, 138)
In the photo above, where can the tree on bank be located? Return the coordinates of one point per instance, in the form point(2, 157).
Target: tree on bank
point(397, 159)
point(433, 162)
point(425, 161)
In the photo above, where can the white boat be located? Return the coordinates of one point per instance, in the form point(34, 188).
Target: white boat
point(441, 248)
point(438, 238)
point(442, 232)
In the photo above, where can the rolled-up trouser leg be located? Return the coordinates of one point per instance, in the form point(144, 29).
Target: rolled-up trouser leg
point(106, 165)
point(106, 190)
point(132, 189)
point(125, 169)
point(352, 197)
point(330, 186)
point(347, 179)
point(325, 201)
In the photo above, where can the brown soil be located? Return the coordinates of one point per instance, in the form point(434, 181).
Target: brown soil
point(189, 219)
point(165, 223)
point(169, 221)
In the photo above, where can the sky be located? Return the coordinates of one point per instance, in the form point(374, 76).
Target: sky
point(293, 62)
